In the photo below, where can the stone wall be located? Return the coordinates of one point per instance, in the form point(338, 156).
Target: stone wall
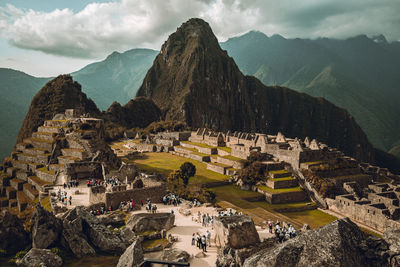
point(235, 164)
point(207, 150)
point(87, 169)
point(155, 194)
point(97, 194)
point(222, 152)
point(281, 184)
point(167, 142)
point(180, 136)
point(216, 168)
point(285, 197)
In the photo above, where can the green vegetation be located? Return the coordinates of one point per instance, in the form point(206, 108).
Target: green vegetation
point(278, 171)
point(154, 243)
point(226, 149)
point(46, 204)
point(232, 158)
point(198, 144)
point(187, 170)
point(165, 163)
point(277, 191)
point(314, 218)
point(283, 178)
point(44, 169)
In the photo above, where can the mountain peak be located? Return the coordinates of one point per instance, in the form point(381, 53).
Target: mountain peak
point(379, 39)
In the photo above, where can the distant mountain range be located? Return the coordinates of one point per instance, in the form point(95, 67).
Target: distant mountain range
point(359, 74)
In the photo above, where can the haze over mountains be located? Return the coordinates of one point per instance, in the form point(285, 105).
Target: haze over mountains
point(358, 74)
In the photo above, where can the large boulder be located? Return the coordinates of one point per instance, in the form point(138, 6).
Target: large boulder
point(40, 257)
point(133, 255)
point(175, 255)
point(235, 231)
point(46, 228)
point(99, 235)
point(392, 237)
point(13, 237)
point(74, 237)
point(142, 222)
point(340, 243)
point(115, 219)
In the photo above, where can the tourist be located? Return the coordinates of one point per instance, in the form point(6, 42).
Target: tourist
point(270, 226)
point(65, 185)
point(193, 239)
point(198, 241)
point(70, 200)
point(204, 243)
point(208, 234)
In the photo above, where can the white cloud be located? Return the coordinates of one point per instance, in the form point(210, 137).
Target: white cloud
point(101, 28)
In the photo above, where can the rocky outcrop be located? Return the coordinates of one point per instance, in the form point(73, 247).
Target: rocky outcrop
point(340, 243)
point(13, 236)
point(235, 231)
point(74, 237)
point(46, 228)
point(142, 222)
point(133, 255)
point(115, 219)
point(175, 255)
point(193, 80)
point(40, 257)
point(392, 237)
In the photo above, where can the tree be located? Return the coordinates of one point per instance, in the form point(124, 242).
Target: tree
point(187, 170)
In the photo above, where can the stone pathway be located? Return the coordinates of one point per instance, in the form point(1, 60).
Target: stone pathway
point(185, 227)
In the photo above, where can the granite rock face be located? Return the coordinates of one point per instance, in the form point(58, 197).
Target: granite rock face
point(175, 255)
point(142, 222)
point(235, 231)
point(133, 255)
point(340, 243)
point(13, 237)
point(41, 257)
point(46, 228)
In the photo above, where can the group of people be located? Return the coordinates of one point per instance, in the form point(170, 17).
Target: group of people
point(130, 204)
point(151, 208)
point(112, 181)
point(201, 241)
point(228, 213)
point(94, 182)
point(63, 198)
point(101, 211)
point(205, 219)
point(282, 233)
point(171, 199)
point(72, 183)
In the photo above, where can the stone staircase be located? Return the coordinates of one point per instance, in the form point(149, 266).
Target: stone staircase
point(26, 175)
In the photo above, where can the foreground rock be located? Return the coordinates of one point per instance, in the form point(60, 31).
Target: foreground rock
point(13, 237)
point(115, 219)
point(142, 222)
point(133, 255)
point(235, 231)
point(40, 257)
point(340, 243)
point(46, 228)
point(175, 255)
point(392, 237)
point(74, 237)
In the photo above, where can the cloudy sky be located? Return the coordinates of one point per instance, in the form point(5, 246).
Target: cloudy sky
point(49, 37)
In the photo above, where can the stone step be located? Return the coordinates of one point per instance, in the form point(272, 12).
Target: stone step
point(35, 151)
point(74, 144)
point(40, 143)
point(11, 193)
point(4, 202)
point(41, 158)
point(279, 174)
point(12, 203)
point(45, 136)
point(26, 166)
point(30, 191)
point(38, 183)
point(11, 171)
point(5, 180)
point(282, 183)
point(56, 167)
point(22, 146)
point(17, 184)
point(47, 129)
point(46, 175)
point(65, 159)
point(74, 152)
point(22, 175)
point(57, 123)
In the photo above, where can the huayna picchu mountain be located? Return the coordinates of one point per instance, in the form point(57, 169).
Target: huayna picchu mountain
point(193, 80)
point(55, 97)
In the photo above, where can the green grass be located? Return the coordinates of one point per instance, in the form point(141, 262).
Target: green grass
point(235, 195)
point(153, 243)
point(273, 207)
point(165, 163)
point(282, 179)
point(277, 191)
point(46, 204)
point(194, 151)
point(314, 218)
point(197, 144)
point(278, 171)
point(226, 149)
point(231, 158)
point(44, 169)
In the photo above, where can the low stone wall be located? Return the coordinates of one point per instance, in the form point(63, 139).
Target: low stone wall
point(155, 194)
point(207, 150)
point(182, 150)
point(144, 147)
point(281, 184)
point(222, 152)
point(78, 170)
point(229, 162)
point(45, 176)
point(166, 142)
point(282, 198)
point(216, 168)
